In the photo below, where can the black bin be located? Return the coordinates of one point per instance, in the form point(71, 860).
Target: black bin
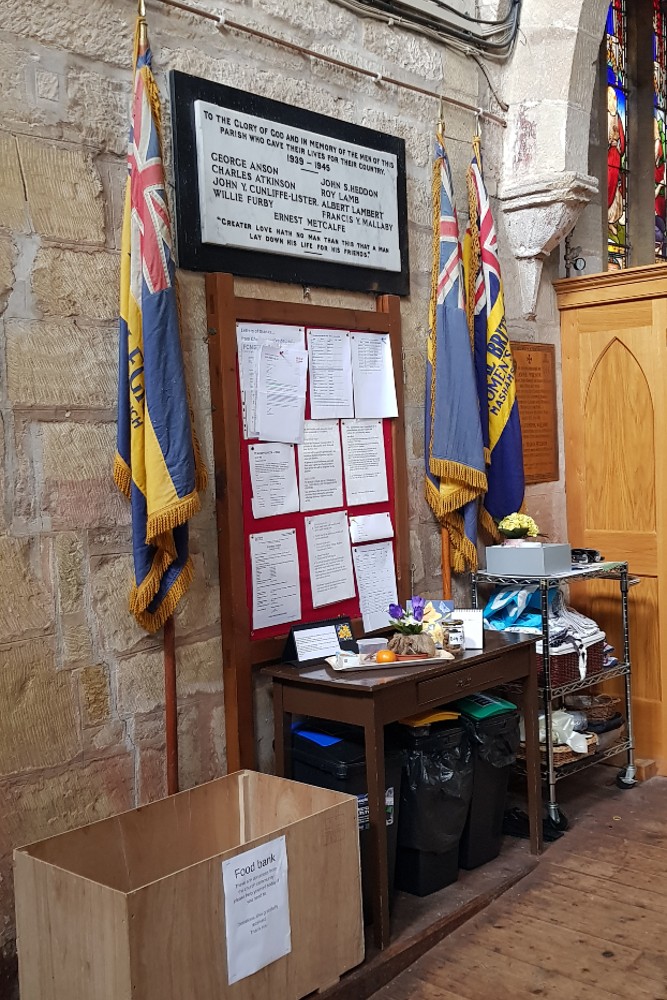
point(495, 741)
point(334, 757)
point(435, 796)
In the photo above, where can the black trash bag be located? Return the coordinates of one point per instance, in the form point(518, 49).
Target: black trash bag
point(435, 793)
point(495, 740)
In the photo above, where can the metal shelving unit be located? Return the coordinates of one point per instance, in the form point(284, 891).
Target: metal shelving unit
point(551, 773)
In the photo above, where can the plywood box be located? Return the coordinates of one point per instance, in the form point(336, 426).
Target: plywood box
point(133, 906)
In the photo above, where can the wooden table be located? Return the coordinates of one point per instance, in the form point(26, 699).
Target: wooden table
point(374, 698)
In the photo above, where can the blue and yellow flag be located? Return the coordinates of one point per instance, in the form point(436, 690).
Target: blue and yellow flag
point(494, 364)
point(454, 452)
point(157, 464)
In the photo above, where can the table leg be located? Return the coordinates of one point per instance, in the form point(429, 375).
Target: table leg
point(282, 743)
point(374, 735)
point(533, 767)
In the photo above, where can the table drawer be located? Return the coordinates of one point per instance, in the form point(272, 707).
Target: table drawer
point(461, 682)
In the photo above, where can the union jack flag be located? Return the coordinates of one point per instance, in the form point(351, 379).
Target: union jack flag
point(157, 462)
point(455, 477)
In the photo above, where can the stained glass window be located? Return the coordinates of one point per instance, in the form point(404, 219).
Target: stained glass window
point(617, 154)
point(659, 123)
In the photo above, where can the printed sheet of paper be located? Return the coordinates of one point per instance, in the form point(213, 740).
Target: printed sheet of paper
point(473, 626)
point(276, 596)
point(249, 340)
point(257, 914)
point(316, 643)
point(364, 462)
point(281, 393)
point(273, 479)
point(329, 558)
point(321, 466)
point(370, 527)
point(373, 374)
point(376, 580)
point(331, 393)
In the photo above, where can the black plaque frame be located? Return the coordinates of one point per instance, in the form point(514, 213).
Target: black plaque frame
point(197, 256)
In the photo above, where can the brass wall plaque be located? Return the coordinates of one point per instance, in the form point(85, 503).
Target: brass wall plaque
point(536, 394)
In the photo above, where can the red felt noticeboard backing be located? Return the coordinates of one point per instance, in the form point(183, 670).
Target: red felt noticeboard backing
point(296, 520)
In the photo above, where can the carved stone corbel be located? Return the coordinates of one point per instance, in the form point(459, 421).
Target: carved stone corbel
point(538, 214)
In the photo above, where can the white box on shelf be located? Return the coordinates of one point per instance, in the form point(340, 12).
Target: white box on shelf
point(528, 560)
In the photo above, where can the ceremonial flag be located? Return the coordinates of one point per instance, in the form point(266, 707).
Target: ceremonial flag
point(494, 364)
point(157, 464)
point(454, 453)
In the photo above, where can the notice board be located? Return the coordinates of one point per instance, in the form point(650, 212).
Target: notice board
point(535, 366)
point(244, 645)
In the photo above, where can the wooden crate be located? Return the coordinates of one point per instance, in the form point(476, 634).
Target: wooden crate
point(132, 908)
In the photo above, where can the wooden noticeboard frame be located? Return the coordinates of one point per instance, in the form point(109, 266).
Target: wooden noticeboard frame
point(535, 366)
point(241, 653)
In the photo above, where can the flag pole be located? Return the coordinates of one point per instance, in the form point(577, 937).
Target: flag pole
point(446, 565)
point(170, 703)
point(444, 533)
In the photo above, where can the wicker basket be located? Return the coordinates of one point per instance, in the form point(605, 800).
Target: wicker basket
point(598, 707)
point(565, 666)
point(562, 753)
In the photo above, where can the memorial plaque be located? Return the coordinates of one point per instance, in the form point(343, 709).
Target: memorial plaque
point(268, 190)
point(536, 395)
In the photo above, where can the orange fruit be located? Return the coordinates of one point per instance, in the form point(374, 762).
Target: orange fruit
point(385, 656)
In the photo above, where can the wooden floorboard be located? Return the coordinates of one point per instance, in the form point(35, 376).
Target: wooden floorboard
point(589, 921)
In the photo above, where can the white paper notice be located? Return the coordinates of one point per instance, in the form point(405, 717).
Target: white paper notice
point(373, 372)
point(276, 597)
point(273, 479)
point(330, 558)
point(249, 340)
point(316, 643)
point(321, 466)
point(473, 626)
point(257, 915)
point(376, 580)
point(281, 394)
point(370, 527)
point(331, 392)
point(364, 462)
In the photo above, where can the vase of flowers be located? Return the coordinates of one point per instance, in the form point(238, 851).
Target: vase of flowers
point(411, 640)
point(516, 526)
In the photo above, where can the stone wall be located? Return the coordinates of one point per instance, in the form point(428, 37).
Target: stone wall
point(80, 685)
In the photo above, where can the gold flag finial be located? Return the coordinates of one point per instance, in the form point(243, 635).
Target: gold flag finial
point(141, 8)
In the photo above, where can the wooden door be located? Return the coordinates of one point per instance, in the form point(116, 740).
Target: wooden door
point(614, 419)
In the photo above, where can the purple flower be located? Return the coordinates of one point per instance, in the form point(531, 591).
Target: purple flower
point(418, 605)
point(396, 611)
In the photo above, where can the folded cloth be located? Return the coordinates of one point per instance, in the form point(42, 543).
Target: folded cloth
point(605, 725)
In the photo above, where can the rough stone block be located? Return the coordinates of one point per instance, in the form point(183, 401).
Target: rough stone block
point(26, 607)
point(200, 608)
point(77, 489)
point(98, 107)
point(3, 520)
point(76, 283)
point(95, 694)
point(140, 682)
point(218, 739)
point(75, 636)
point(12, 193)
point(61, 364)
point(69, 567)
point(41, 730)
point(64, 191)
point(199, 667)
point(7, 261)
point(43, 805)
point(110, 582)
point(81, 28)
point(403, 48)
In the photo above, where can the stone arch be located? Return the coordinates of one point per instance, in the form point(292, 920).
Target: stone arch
point(548, 84)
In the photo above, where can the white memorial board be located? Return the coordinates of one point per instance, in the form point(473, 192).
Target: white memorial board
point(279, 189)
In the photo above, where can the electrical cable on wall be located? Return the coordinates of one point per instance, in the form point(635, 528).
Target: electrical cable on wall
point(222, 22)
